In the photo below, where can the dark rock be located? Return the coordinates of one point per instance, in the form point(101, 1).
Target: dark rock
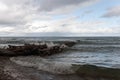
point(30, 49)
point(97, 72)
point(69, 43)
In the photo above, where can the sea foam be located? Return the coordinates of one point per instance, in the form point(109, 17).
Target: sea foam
point(44, 64)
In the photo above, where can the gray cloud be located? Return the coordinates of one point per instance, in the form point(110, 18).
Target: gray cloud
point(15, 12)
point(112, 12)
point(15, 15)
point(48, 5)
point(50, 34)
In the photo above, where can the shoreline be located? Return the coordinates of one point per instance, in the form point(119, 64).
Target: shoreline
point(48, 70)
point(12, 71)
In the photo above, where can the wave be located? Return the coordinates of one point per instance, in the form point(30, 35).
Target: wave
point(44, 64)
point(67, 68)
point(95, 47)
point(97, 42)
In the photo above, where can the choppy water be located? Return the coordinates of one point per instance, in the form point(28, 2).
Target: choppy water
point(101, 51)
point(94, 58)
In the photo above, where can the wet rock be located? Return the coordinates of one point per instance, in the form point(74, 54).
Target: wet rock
point(63, 46)
point(78, 41)
point(31, 49)
point(4, 52)
point(97, 72)
point(69, 43)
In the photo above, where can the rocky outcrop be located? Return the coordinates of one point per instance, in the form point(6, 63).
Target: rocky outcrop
point(32, 49)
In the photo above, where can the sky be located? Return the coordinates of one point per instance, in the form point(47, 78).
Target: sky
point(59, 17)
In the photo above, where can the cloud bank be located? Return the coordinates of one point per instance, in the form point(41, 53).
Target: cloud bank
point(43, 18)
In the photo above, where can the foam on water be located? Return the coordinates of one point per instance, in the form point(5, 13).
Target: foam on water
point(44, 64)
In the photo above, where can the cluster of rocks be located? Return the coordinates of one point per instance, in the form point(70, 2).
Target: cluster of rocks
point(33, 49)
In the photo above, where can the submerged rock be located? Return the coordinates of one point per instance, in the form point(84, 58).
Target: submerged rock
point(97, 72)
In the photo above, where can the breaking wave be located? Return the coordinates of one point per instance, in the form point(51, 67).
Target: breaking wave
point(67, 68)
point(44, 64)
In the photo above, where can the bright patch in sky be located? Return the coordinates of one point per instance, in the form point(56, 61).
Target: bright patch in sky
point(59, 17)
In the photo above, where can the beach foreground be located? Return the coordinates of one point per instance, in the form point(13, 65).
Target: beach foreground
point(12, 71)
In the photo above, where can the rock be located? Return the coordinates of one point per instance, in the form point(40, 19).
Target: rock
point(69, 43)
point(4, 52)
point(63, 46)
point(97, 72)
point(31, 49)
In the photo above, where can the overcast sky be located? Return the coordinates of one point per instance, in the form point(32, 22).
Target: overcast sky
point(59, 17)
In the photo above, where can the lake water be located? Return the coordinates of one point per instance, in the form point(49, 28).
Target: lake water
point(100, 51)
